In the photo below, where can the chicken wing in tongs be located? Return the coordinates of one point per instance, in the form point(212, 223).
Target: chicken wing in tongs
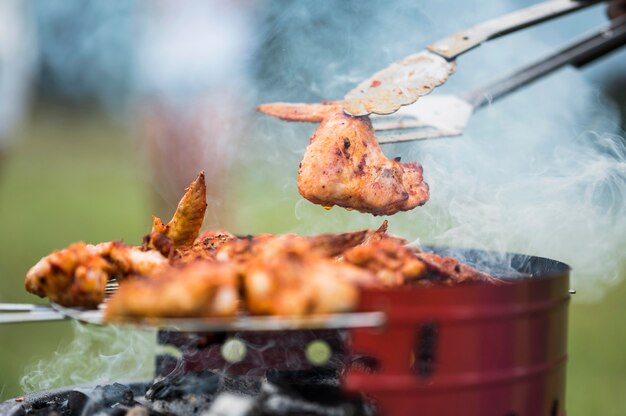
point(344, 165)
point(402, 83)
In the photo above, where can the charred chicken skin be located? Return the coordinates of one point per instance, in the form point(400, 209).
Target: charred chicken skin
point(180, 273)
point(345, 166)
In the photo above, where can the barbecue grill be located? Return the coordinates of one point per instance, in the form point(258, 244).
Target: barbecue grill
point(478, 349)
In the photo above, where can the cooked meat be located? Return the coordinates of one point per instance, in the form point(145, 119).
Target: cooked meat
point(177, 273)
point(205, 246)
point(77, 275)
point(197, 289)
point(393, 263)
point(287, 277)
point(332, 245)
point(242, 249)
point(450, 271)
point(344, 164)
point(185, 225)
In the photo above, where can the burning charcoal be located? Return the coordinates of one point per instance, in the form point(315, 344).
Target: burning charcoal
point(242, 385)
point(177, 385)
point(117, 393)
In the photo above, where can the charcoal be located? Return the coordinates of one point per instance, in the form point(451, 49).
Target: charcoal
point(242, 385)
point(116, 393)
point(76, 402)
point(176, 386)
point(56, 406)
point(100, 399)
point(314, 376)
point(312, 400)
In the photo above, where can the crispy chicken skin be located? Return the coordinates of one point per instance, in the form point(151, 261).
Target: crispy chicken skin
point(196, 289)
point(77, 275)
point(286, 276)
point(393, 263)
point(185, 225)
point(450, 271)
point(344, 164)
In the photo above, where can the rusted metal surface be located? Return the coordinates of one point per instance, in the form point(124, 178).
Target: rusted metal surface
point(400, 84)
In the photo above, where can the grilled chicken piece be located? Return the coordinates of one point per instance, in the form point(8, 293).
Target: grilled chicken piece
point(286, 276)
point(204, 247)
point(332, 245)
point(197, 289)
point(393, 263)
point(344, 164)
point(450, 271)
point(77, 275)
point(185, 225)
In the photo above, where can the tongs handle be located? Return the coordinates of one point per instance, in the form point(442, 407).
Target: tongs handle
point(461, 42)
point(578, 54)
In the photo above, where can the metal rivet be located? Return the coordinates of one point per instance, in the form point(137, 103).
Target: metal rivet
point(233, 350)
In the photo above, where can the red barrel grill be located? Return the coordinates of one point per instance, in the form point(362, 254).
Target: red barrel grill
point(473, 350)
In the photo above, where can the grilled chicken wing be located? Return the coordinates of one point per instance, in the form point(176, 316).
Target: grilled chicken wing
point(344, 164)
point(185, 225)
point(77, 275)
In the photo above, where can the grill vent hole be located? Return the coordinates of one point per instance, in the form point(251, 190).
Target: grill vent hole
point(425, 349)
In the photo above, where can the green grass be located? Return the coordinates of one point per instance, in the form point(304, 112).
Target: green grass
point(78, 178)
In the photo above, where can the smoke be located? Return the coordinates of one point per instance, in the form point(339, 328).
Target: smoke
point(558, 194)
point(96, 354)
point(541, 172)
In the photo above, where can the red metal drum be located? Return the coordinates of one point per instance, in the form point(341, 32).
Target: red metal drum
point(472, 350)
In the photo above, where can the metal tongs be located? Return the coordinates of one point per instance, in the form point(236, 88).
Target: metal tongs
point(402, 83)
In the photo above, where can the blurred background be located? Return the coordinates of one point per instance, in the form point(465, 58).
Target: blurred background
point(109, 109)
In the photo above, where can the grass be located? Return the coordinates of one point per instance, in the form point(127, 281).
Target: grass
point(78, 178)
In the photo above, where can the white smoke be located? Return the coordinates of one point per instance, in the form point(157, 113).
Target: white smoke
point(96, 354)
